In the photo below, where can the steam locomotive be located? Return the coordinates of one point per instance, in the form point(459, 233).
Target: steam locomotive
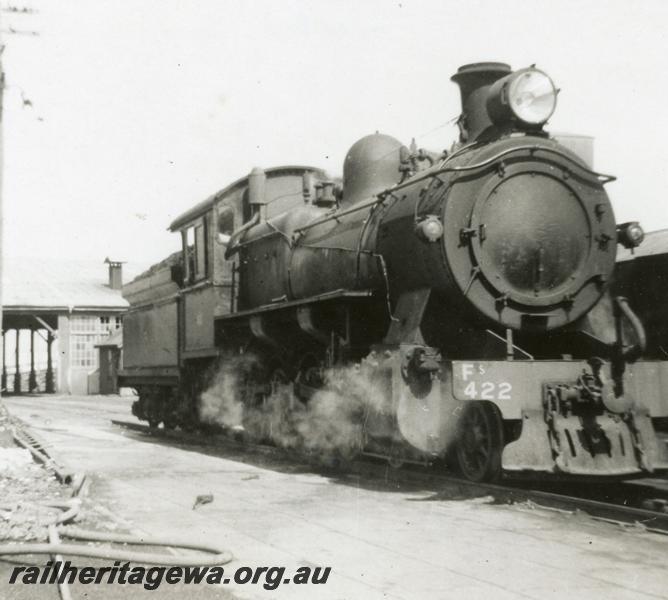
point(471, 289)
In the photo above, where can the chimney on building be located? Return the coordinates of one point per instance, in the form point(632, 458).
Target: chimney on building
point(115, 273)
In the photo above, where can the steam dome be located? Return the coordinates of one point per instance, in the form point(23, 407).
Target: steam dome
point(371, 165)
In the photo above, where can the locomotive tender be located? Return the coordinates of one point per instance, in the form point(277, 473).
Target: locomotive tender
point(472, 288)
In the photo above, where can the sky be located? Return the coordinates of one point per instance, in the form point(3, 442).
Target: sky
point(121, 115)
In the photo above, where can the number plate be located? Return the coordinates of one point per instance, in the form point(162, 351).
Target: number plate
point(476, 381)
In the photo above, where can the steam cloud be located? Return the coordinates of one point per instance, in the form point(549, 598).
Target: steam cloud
point(332, 420)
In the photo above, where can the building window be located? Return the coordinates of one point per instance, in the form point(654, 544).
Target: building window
point(85, 332)
point(84, 351)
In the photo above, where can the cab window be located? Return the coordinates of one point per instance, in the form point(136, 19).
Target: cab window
point(200, 252)
point(194, 250)
point(189, 253)
point(225, 225)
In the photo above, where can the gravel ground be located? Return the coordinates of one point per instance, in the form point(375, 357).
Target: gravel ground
point(23, 483)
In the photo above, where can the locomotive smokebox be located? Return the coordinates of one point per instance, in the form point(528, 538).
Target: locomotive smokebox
point(474, 81)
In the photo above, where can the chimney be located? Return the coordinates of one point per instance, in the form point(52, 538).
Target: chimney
point(474, 81)
point(115, 274)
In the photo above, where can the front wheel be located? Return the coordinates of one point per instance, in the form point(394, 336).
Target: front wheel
point(479, 442)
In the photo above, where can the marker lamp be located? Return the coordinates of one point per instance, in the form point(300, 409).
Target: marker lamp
point(430, 229)
point(630, 235)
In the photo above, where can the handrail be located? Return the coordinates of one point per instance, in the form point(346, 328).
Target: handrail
point(380, 197)
point(233, 245)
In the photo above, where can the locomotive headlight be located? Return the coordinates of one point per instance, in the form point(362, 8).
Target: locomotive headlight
point(528, 96)
point(532, 96)
point(430, 228)
point(630, 235)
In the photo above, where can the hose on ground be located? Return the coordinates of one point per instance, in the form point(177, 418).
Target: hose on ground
point(70, 509)
point(63, 588)
point(214, 556)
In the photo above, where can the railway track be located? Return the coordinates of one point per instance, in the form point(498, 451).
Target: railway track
point(41, 452)
point(621, 503)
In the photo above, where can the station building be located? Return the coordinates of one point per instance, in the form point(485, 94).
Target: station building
point(55, 314)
